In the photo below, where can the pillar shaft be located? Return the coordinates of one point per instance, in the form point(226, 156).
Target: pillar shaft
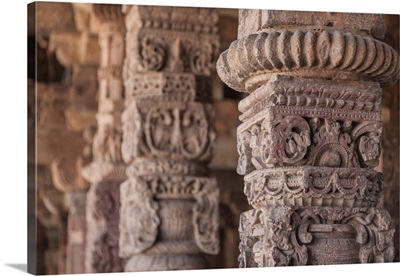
point(310, 136)
point(107, 171)
point(169, 204)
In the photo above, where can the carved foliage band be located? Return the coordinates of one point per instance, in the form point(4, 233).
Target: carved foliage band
point(314, 186)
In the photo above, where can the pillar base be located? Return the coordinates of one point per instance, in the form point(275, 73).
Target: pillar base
point(165, 262)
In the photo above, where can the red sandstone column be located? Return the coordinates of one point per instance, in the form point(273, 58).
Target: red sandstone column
point(169, 204)
point(311, 136)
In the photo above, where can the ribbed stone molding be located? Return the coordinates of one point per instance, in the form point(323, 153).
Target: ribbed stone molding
point(252, 60)
point(310, 137)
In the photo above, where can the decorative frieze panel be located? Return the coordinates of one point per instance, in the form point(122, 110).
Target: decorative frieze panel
point(183, 87)
point(314, 186)
point(281, 132)
point(163, 50)
point(168, 130)
point(162, 43)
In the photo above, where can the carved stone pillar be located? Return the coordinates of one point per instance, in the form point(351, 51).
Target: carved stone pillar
point(66, 66)
point(107, 171)
point(52, 210)
point(67, 179)
point(169, 204)
point(311, 136)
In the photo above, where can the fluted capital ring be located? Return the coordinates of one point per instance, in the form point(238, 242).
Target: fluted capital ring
point(251, 61)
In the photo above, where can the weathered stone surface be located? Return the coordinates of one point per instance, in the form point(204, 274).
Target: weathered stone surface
point(324, 54)
point(102, 217)
point(107, 171)
point(287, 235)
point(252, 21)
point(292, 121)
point(310, 137)
point(314, 186)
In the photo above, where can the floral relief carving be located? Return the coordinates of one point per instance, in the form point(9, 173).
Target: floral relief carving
point(313, 186)
point(290, 139)
point(202, 58)
point(152, 53)
point(177, 131)
point(287, 235)
point(141, 233)
point(332, 147)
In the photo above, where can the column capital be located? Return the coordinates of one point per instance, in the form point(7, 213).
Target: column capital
point(309, 53)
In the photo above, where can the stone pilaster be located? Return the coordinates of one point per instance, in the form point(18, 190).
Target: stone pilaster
point(107, 171)
point(311, 136)
point(169, 204)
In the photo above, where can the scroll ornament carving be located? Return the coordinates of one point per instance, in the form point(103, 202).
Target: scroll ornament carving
point(375, 232)
point(152, 53)
point(205, 218)
point(202, 58)
point(273, 243)
point(292, 140)
point(369, 148)
point(368, 135)
point(139, 234)
point(333, 55)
